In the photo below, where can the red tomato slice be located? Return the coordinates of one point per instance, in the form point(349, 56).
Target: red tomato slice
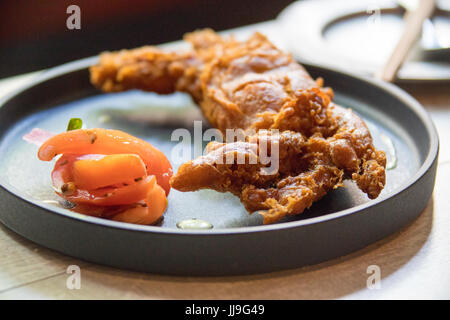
point(110, 196)
point(108, 170)
point(107, 142)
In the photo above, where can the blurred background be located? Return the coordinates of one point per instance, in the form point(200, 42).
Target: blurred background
point(34, 36)
point(356, 36)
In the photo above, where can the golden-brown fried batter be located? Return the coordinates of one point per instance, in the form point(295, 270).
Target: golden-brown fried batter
point(252, 85)
point(306, 173)
point(237, 84)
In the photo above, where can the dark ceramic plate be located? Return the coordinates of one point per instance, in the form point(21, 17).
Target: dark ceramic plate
point(343, 221)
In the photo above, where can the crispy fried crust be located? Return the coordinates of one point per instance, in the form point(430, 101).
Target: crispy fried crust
point(252, 85)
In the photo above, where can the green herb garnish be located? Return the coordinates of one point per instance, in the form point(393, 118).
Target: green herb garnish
point(74, 124)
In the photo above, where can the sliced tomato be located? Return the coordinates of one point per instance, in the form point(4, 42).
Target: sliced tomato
point(62, 175)
point(108, 170)
point(156, 204)
point(108, 142)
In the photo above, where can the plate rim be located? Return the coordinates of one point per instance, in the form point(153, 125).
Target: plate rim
point(84, 63)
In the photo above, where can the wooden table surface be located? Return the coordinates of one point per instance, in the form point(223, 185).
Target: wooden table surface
point(414, 262)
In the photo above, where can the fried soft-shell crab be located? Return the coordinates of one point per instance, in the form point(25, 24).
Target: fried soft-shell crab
point(254, 86)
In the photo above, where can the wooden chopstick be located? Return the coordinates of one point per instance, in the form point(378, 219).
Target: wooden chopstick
point(413, 21)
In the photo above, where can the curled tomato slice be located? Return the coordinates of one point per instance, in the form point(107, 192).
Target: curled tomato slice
point(156, 204)
point(101, 171)
point(109, 142)
point(63, 177)
point(144, 200)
